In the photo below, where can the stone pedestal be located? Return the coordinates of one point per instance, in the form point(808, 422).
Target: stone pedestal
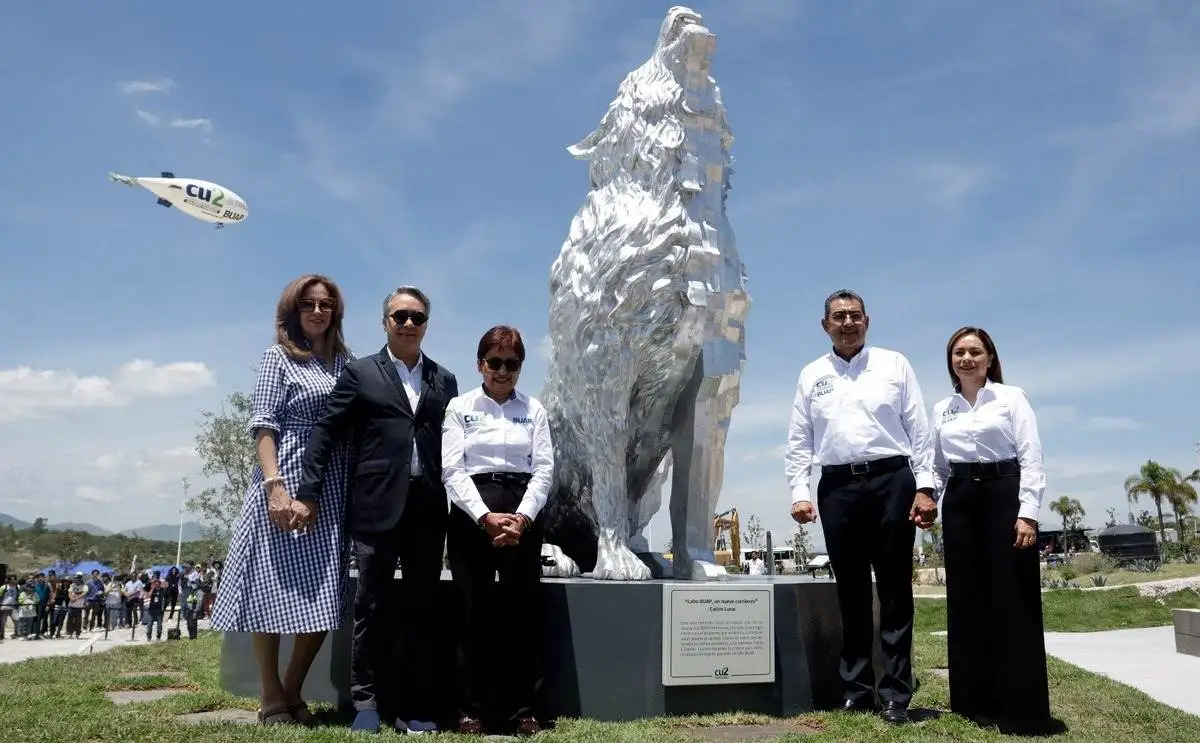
point(1187, 631)
point(602, 654)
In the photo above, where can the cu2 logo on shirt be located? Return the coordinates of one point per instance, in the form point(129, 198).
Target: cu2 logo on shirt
point(470, 420)
point(823, 386)
point(950, 413)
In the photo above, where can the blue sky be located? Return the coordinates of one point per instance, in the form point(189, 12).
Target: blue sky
point(1028, 167)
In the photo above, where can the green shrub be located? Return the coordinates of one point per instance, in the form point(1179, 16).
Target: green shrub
point(1099, 579)
point(1092, 562)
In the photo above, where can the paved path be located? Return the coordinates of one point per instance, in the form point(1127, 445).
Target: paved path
point(1142, 658)
point(17, 650)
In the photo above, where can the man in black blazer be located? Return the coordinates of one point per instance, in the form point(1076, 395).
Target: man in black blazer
point(389, 408)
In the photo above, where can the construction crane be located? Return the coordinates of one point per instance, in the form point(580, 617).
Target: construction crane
point(727, 538)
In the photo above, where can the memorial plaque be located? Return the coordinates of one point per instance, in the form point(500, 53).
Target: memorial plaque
point(718, 634)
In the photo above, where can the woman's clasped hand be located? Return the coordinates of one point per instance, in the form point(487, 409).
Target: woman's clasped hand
point(288, 513)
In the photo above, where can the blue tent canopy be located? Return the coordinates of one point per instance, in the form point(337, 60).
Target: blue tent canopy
point(62, 568)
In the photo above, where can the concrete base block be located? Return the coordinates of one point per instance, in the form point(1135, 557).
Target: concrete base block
point(1187, 631)
point(602, 654)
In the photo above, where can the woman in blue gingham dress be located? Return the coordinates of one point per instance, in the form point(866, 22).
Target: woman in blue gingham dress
point(279, 580)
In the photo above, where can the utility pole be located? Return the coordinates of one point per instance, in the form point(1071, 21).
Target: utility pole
point(179, 544)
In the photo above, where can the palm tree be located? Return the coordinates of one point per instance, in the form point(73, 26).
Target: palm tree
point(1157, 482)
point(1070, 509)
point(1182, 497)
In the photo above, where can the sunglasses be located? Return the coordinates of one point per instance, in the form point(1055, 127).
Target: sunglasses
point(402, 316)
point(494, 363)
point(308, 305)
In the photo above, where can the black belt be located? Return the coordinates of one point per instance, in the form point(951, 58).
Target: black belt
point(871, 467)
point(504, 478)
point(976, 470)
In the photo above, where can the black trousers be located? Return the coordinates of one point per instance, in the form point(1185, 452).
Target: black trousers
point(996, 646)
point(866, 525)
point(401, 683)
point(499, 632)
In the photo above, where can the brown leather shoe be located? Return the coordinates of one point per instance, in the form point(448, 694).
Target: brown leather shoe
point(528, 726)
point(470, 726)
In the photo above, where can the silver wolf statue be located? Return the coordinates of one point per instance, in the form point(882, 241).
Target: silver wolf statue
point(647, 310)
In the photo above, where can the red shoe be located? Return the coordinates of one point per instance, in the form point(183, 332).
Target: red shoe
point(528, 726)
point(470, 726)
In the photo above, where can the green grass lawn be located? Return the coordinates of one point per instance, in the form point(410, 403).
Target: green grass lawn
point(1089, 564)
point(56, 699)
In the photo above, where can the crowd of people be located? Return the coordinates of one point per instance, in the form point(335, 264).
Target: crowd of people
point(43, 606)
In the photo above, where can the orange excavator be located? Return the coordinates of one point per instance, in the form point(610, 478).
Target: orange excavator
point(727, 538)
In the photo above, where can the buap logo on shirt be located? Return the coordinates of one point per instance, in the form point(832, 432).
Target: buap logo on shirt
point(823, 386)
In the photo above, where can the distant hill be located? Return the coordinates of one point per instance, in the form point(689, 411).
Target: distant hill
point(159, 532)
point(16, 523)
point(167, 532)
point(13, 521)
point(78, 526)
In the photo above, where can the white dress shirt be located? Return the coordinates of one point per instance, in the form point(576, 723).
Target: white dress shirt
point(411, 379)
point(480, 435)
point(999, 426)
point(845, 412)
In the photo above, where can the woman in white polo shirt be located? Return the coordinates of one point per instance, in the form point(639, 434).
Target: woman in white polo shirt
point(988, 471)
point(497, 462)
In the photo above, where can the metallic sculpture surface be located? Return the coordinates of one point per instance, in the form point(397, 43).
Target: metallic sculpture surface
point(647, 305)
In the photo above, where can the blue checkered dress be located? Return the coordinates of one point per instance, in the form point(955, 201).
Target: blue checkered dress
point(275, 581)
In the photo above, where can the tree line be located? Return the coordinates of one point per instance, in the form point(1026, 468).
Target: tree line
point(37, 547)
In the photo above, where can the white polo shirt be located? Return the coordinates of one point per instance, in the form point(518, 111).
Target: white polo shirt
point(481, 435)
point(845, 412)
point(1000, 425)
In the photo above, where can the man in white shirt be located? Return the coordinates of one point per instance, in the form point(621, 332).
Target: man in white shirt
point(858, 414)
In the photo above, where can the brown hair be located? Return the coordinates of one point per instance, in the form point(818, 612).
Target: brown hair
point(502, 336)
point(994, 372)
point(287, 319)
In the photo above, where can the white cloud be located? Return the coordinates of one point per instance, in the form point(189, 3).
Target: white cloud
point(192, 123)
point(119, 489)
point(149, 118)
point(1097, 368)
point(940, 182)
point(500, 43)
point(97, 495)
point(1068, 416)
point(30, 393)
point(134, 87)
point(948, 183)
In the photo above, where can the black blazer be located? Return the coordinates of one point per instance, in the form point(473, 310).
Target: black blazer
point(369, 409)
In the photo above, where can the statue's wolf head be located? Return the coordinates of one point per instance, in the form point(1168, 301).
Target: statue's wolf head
point(645, 124)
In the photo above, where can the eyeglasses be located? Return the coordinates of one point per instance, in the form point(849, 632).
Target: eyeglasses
point(308, 305)
point(842, 316)
point(494, 363)
point(402, 316)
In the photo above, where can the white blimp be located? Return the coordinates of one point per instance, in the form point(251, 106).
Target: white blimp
point(203, 200)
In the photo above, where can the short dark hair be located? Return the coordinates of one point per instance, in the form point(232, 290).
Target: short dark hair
point(411, 291)
point(501, 336)
point(994, 372)
point(843, 294)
